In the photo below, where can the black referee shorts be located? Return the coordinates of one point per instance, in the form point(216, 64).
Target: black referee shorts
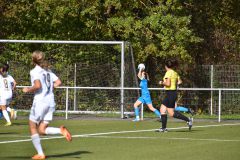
point(170, 99)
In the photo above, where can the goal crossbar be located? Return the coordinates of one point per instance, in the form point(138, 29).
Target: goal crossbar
point(60, 41)
point(121, 43)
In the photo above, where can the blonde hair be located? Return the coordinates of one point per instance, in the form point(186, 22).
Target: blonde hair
point(38, 57)
point(45, 65)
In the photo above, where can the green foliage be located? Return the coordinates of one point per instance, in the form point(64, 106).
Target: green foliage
point(195, 32)
point(217, 23)
point(155, 28)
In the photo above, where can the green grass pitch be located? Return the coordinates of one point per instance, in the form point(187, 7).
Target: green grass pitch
point(116, 139)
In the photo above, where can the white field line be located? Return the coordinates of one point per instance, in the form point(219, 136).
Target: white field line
point(165, 138)
point(122, 132)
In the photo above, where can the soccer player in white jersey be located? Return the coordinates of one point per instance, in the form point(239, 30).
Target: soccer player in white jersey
point(7, 84)
point(13, 83)
point(43, 82)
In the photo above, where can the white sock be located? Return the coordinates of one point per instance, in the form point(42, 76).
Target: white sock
point(137, 117)
point(6, 116)
point(9, 109)
point(52, 130)
point(37, 143)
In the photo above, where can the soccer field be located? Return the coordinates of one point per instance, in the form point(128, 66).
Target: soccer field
point(116, 139)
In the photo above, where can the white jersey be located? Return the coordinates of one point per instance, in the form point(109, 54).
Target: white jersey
point(6, 86)
point(43, 103)
point(47, 79)
point(50, 79)
point(38, 73)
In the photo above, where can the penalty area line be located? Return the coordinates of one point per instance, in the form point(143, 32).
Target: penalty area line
point(117, 132)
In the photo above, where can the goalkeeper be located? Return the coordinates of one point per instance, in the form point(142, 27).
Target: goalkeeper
point(145, 94)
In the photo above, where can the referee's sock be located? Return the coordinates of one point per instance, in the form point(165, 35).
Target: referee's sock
point(164, 121)
point(178, 115)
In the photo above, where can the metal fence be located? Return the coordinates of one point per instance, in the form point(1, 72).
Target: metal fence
point(208, 100)
point(201, 93)
point(111, 67)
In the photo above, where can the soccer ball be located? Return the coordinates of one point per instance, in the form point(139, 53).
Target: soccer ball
point(141, 66)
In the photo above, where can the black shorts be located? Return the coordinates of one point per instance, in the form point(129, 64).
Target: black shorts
point(170, 99)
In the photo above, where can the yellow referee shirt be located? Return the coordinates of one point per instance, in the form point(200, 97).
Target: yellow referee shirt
point(174, 79)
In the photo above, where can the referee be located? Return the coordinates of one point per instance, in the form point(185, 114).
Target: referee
point(170, 81)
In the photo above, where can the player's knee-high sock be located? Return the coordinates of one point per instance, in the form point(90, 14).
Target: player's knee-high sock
point(52, 130)
point(181, 109)
point(136, 110)
point(158, 114)
point(164, 121)
point(178, 115)
point(6, 116)
point(8, 109)
point(37, 143)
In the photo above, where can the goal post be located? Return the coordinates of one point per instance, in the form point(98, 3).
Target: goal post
point(94, 66)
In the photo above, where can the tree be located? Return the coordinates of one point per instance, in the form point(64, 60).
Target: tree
point(217, 23)
point(155, 28)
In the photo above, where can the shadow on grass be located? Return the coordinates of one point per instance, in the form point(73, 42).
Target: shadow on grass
point(8, 133)
point(192, 131)
point(19, 124)
point(75, 154)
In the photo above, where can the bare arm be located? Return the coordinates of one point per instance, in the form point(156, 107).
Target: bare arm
point(140, 74)
point(166, 83)
point(57, 83)
point(179, 81)
point(14, 85)
point(37, 85)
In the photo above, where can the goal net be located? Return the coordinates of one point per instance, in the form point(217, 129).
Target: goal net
point(93, 74)
point(99, 77)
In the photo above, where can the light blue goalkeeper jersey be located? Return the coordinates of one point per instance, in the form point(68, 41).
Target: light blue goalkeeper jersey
point(144, 87)
point(145, 94)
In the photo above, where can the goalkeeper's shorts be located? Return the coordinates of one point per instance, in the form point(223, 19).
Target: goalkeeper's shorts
point(145, 99)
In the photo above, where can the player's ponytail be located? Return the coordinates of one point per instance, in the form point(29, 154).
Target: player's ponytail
point(45, 65)
point(38, 57)
point(5, 68)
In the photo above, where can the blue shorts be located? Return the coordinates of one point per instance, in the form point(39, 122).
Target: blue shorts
point(145, 99)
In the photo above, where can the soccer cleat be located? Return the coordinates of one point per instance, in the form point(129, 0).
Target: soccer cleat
point(136, 120)
point(66, 133)
point(12, 113)
point(38, 157)
point(8, 124)
point(162, 130)
point(190, 123)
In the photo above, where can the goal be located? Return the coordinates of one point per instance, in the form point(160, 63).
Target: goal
point(94, 74)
